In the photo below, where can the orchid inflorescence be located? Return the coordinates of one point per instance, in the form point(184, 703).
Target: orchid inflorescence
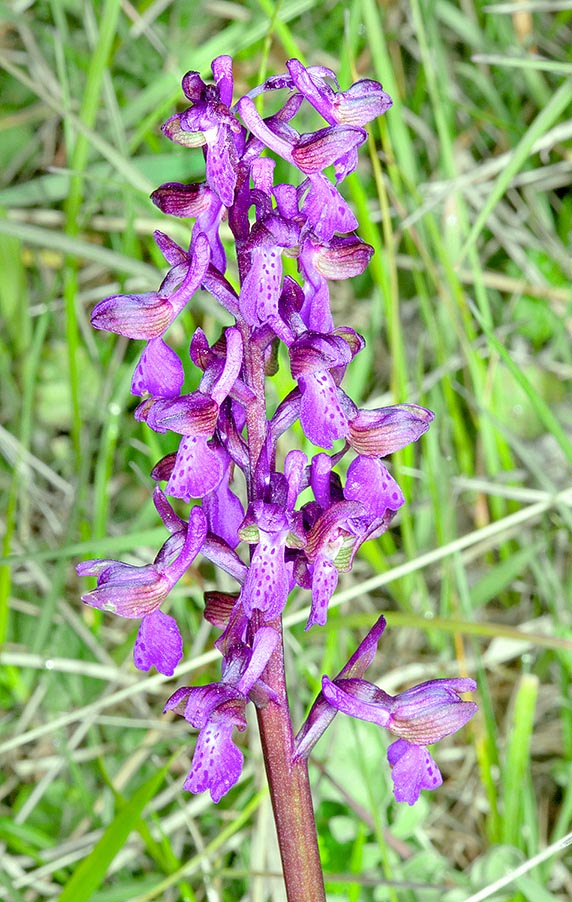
point(225, 425)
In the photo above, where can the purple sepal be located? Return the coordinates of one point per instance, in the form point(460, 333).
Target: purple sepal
point(317, 150)
point(325, 209)
point(158, 644)
point(177, 199)
point(413, 769)
point(124, 589)
point(321, 713)
point(133, 315)
point(188, 415)
point(379, 432)
point(363, 101)
point(422, 715)
point(223, 509)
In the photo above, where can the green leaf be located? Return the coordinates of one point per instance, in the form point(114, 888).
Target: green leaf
point(90, 873)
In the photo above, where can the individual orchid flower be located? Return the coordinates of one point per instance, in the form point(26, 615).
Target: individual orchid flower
point(216, 709)
point(209, 120)
point(197, 468)
point(150, 315)
point(137, 592)
point(420, 716)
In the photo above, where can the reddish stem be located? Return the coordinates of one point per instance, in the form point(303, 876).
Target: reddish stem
point(290, 791)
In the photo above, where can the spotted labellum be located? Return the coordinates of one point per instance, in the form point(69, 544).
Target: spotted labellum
point(272, 523)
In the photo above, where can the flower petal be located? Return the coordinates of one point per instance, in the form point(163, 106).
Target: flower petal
point(158, 644)
point(197, 470)
point(217, 762)
point(413, 769)
point(321, 415)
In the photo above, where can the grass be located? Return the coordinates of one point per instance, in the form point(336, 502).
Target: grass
point(467, 308)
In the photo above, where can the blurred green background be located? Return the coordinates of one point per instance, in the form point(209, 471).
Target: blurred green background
point(464, 191)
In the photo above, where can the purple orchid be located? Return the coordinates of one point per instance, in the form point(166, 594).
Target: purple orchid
point(216, 709)
point(302, 520)
point(138, 592)
point(420, 716)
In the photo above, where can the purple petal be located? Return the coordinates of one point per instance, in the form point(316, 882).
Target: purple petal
point(193, 543)
point(321, 415)
point(158, 644)
point(223, 509)
point(346, 700)
point(266, 586)
point(193, 86)
point(170, 519)
point(261, 288)
point(413, 770)
point(315, 90)
point(258, 127)
point(326, 210)
point(182, 200)
point(232, 364)
point(342, 258)
point(369, 482)
point(221, 168)
point(197, 470)
point(159, 371)
point(324, 582)
point(222, 73)
point(217, 762)
point(172, 252)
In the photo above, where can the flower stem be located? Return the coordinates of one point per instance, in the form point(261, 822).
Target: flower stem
point(290, 791)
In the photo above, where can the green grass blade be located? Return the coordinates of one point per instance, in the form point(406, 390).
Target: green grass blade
point(90, 874)
point(545, 120)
